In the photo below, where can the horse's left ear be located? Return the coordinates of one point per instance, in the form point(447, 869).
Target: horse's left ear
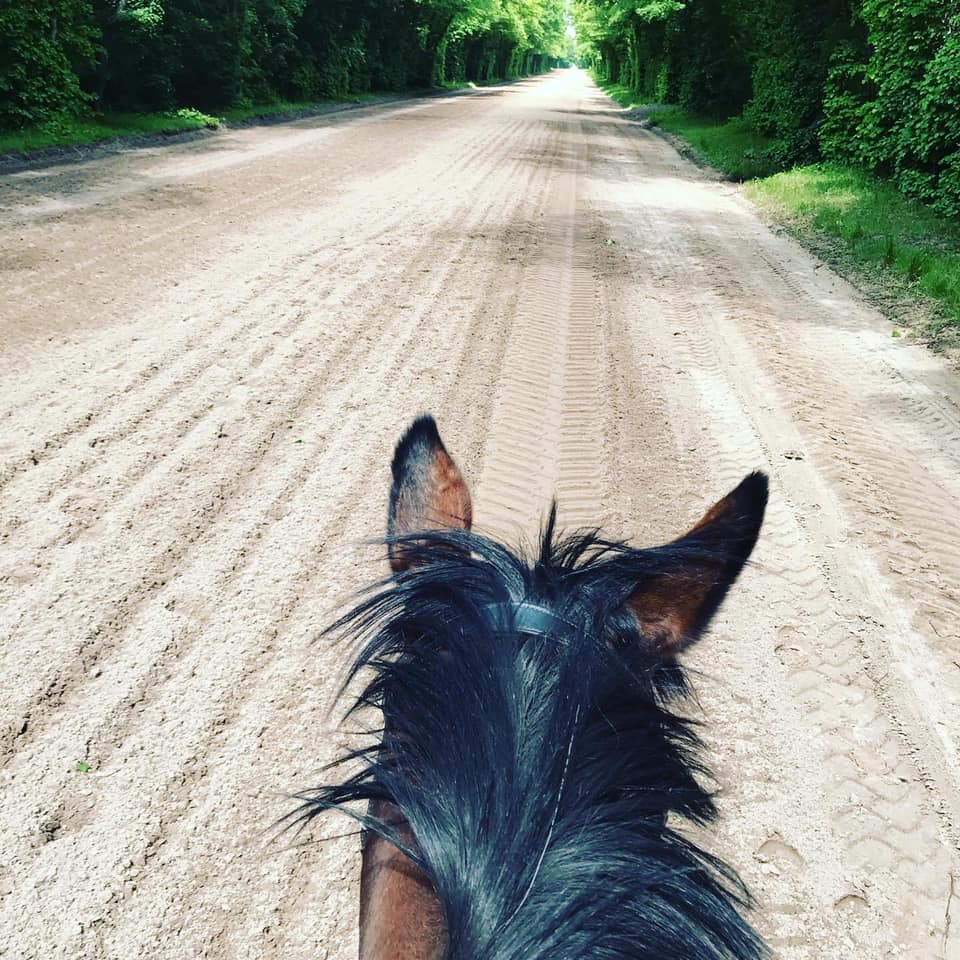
point(674, 606)
point(428, 492)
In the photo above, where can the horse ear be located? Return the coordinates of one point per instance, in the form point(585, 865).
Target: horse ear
point(675, 605)
point(428, 492)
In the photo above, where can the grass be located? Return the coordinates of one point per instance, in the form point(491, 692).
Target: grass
point(731, 146)
point(71, 132)
point(624, 95)
point(876, 225)
point(279, 108)
point(68, 132)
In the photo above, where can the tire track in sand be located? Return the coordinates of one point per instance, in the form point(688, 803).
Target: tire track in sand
point(44, 691)
point(132, 424)
point(898, 484)
point(547, 435)
point(318, 240)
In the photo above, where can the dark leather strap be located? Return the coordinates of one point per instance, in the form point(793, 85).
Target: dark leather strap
point(527, 618)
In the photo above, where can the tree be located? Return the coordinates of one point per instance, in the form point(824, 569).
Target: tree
point(43, 45)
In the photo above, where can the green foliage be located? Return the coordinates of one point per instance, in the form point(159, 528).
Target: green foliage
point(656, 10)
point(60, 58)
point(892, 100)
point(42, 46)
point(489, 40)
point(267, 47)
point(703, 67)
point(65, 131)
point(789, 44)
point(687, 53)
point(195, 117)
point(879, 226)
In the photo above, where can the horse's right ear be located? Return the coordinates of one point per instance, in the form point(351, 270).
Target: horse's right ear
point(674, 606)
point(428, 492)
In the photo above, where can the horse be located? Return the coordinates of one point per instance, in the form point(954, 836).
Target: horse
point(518, 800)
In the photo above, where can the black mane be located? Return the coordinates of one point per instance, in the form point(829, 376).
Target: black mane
point(537, 772)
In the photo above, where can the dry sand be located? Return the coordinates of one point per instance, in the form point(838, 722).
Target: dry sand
point(208, 350)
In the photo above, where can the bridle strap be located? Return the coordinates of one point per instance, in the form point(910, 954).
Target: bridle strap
point(527, 618)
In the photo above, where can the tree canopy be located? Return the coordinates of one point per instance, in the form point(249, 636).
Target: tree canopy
point(64, 56)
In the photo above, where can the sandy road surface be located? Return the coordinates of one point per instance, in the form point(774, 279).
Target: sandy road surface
point(208, 351)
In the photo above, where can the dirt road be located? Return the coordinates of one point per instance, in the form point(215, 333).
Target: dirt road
point(209, 349)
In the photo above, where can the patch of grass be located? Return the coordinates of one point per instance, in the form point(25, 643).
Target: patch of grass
point(876, 224)
point(278, 108)
point(623, 94)
point(71, 132)
point(732, 146)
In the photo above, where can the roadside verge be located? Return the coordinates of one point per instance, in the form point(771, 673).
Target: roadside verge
point(898, 252)
point(197, 126)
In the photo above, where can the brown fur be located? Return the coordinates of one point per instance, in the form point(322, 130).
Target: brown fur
point(400, 916)
point(443, 500)
point(669, 608)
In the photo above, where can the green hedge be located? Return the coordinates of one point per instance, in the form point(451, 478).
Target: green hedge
point(892, 99)
point(870, 82)
point(60, 58)
point(43, 46)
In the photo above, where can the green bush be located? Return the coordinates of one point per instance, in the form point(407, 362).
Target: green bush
point(892, 100)
point(43, 44)
point(870, 82)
